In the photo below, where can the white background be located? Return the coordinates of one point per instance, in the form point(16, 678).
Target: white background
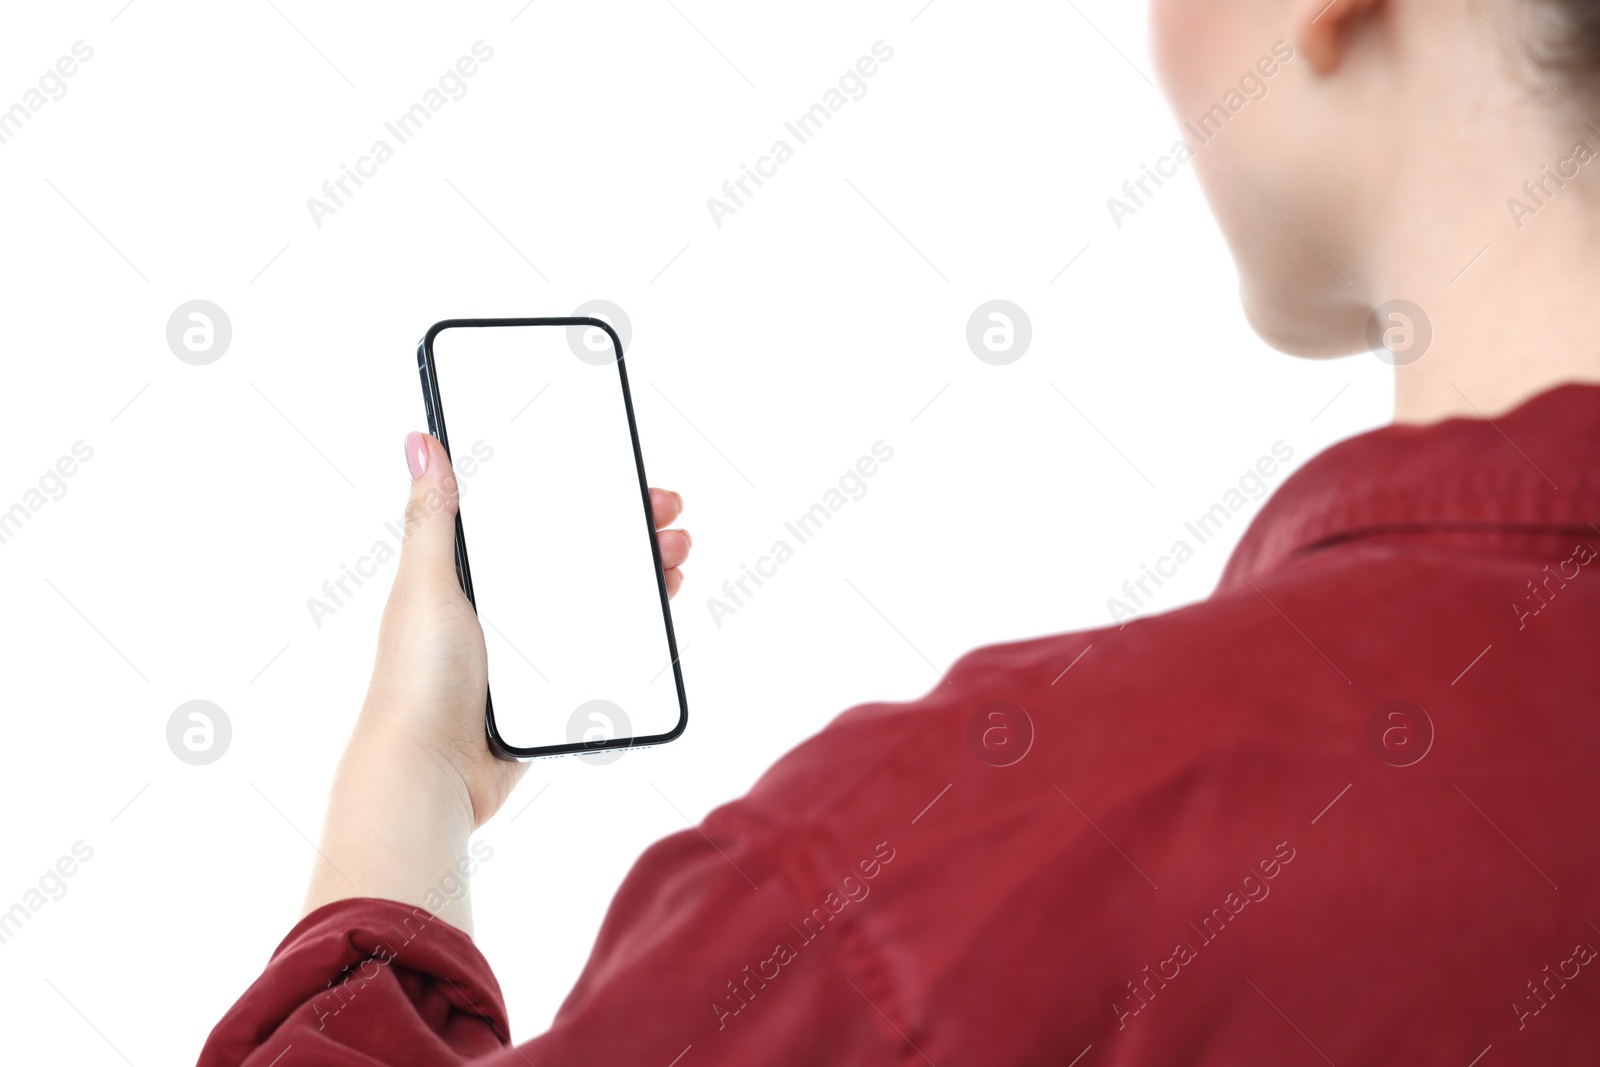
point(769, 354)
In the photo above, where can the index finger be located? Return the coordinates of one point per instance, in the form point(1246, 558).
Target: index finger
point(666, 506)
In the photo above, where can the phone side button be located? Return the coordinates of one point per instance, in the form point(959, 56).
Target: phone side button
point(427, 401)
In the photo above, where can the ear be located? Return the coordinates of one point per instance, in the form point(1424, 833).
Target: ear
point(1321, 28)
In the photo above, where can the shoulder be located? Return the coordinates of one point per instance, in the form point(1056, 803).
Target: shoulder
point(1256, 678)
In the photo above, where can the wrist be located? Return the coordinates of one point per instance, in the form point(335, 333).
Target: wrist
point(384, 756)
point(398, 826)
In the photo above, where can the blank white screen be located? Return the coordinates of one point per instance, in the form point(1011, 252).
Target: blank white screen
point(557, 534)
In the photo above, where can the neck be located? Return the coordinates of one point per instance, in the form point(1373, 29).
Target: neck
point(1524, 317)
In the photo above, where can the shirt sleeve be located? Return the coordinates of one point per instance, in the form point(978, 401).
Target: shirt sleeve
point(698, 962)
point(365, 981)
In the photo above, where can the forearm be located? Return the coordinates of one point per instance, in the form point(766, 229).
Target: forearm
point(398, 825)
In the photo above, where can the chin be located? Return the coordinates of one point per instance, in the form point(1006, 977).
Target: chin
point(1310, 326)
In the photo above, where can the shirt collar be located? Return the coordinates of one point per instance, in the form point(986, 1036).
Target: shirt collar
point(1535, 469)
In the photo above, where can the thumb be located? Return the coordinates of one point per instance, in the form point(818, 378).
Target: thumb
point(429, 552)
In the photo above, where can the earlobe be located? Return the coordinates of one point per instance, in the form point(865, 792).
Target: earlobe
point(1321, 28)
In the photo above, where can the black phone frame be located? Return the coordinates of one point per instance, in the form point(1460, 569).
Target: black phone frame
point(434, 407)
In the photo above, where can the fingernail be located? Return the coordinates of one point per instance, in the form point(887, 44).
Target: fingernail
point(416, 453)
point(680, 499)
point(687, 540)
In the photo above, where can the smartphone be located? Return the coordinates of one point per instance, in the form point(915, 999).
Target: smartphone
point(564, 570)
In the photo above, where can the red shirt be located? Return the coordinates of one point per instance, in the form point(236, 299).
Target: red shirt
point(1343, 811)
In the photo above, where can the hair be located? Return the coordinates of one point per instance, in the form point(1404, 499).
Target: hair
point(1570, 45)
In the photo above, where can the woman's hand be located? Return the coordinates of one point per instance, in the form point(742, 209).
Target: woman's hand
point(417, 776)
point(430, 679)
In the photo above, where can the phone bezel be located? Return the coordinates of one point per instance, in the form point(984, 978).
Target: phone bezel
point(434, 406)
